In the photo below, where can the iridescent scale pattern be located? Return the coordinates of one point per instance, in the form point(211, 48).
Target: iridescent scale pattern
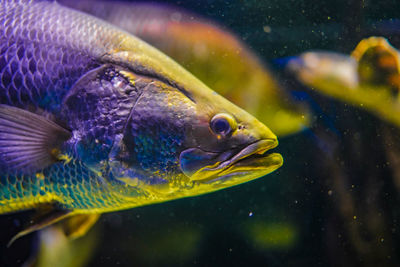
point(44, 50)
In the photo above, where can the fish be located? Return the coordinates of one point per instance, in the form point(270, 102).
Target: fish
point(212, 53)
point(95, 120)
point(368, 78)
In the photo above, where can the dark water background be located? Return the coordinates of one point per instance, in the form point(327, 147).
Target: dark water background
point(334, 201)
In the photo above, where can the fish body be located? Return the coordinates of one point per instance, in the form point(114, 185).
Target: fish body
point(213, 54)
point(94, 120)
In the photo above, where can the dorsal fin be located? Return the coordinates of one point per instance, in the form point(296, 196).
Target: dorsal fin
point(28, 142)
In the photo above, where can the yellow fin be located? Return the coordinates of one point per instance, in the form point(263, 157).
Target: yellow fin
point(78, 225)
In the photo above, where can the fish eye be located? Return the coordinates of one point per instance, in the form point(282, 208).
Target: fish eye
point(223, 124)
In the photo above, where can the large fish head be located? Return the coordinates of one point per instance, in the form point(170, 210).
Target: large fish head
point(188, 142)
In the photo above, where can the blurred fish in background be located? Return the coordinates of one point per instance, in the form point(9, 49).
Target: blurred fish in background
point(369, 78)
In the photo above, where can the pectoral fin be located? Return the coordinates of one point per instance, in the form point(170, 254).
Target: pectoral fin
point(51, 216)
point(28, 142)
point(78, 225)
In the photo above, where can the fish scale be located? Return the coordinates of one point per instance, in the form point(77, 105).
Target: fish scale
point(27, 191)
point(34, 59)
point(38, 69)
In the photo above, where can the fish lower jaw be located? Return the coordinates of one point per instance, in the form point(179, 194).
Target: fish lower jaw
point(248, 169)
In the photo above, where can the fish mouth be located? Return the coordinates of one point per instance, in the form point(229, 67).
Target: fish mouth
point(249, 163)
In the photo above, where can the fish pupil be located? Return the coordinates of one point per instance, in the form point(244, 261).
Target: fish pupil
point(221, 126)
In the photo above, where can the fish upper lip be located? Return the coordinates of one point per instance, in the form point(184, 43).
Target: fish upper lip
point(257, 148)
